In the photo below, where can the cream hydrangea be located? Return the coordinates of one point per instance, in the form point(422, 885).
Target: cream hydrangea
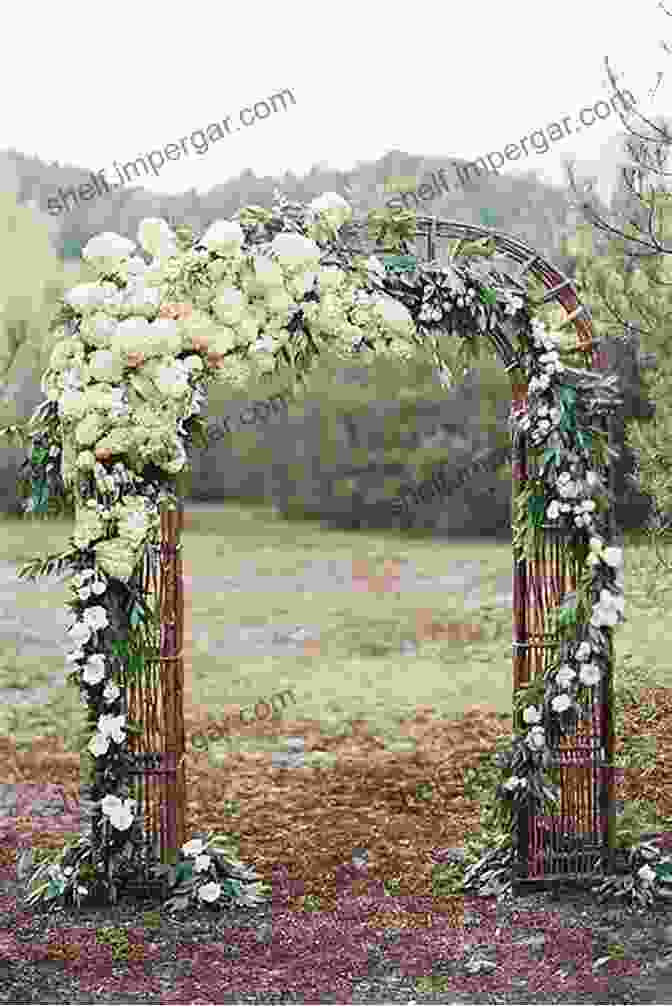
point(138, 298)
point(267, 276)
point(296, 251)
point(72, 405)
point(98, 329)
point(334, 208)
point(134, 519)
point(89, 525)
point(106, 251)
point(89, 430)
point(224, 237)
point(234, 372)
point(229, 305)
point(171, 378)
point(117, 558)
point(86, 461)
point(117, 441)
point(104, 365)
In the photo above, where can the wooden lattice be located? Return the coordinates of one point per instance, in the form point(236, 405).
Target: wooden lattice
point(569, 845)
point(585, 823)
point(155, 700)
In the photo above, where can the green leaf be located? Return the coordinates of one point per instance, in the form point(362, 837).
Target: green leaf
point(183, 871)
point(488, 296)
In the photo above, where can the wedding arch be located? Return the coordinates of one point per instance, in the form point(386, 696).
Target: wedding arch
point(253, 296)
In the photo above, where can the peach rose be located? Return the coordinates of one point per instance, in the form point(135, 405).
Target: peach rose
point(103, 453)
point(199, 342)
point(135, 359)
point(176, 311)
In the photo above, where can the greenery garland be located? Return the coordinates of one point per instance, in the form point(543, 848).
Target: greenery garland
point(257, 294)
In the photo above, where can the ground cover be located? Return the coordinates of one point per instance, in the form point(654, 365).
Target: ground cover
point(410, 749)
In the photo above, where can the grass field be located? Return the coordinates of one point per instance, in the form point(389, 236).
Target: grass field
point(357, 677)
point(359, 672)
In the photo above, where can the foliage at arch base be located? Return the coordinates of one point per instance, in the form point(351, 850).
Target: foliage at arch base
point(264, 292)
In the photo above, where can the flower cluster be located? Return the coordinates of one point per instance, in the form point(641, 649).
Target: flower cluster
point(138, 349)
point(569, 490)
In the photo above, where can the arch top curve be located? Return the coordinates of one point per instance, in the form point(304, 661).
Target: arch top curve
point(558, 287)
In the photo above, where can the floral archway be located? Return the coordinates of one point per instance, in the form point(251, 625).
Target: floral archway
point(138, 349)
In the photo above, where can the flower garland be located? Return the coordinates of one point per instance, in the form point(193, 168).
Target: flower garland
point(125, 384)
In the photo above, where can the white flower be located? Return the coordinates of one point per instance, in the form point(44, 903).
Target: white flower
point(94, 672)
point(96, 617)
point(110, 692)
point(267, 275)
point(112, 726)
point(122, 819)
point(156, 237)
point(394, 314)
point(194, 847)
point(646, 874)
point(334, 207)
point(223, 236)
point(98, 745)
point(607, 609)
point(104, 365)
point(202, 863)
point(565, 676)
point(80, 633)
point(109, 804)
point(590, 674)
point(513, 782)
point(209, 892)
point(553, 510)
point(536, 738)
point(531, 714)
point(295, 250)
point(229, 305)
point(120, 812)
point(74, 657)
point(108, 249)
point(331, 277)
point(584, 650)
point(560, 703)
point(171, 380)
point(613, 556)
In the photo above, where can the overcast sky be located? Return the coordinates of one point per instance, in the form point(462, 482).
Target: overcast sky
point(88, 85)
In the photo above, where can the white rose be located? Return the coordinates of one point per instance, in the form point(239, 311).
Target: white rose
point(590, 674)
point(202, 863)
point(209, 892)
point(93, 674)
point(531, 714)
point(99, 745)
point(79, 633)
point(95, 617)
point(560, 703)
point(536, 738)
point(223, 236)
point(110, 692)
